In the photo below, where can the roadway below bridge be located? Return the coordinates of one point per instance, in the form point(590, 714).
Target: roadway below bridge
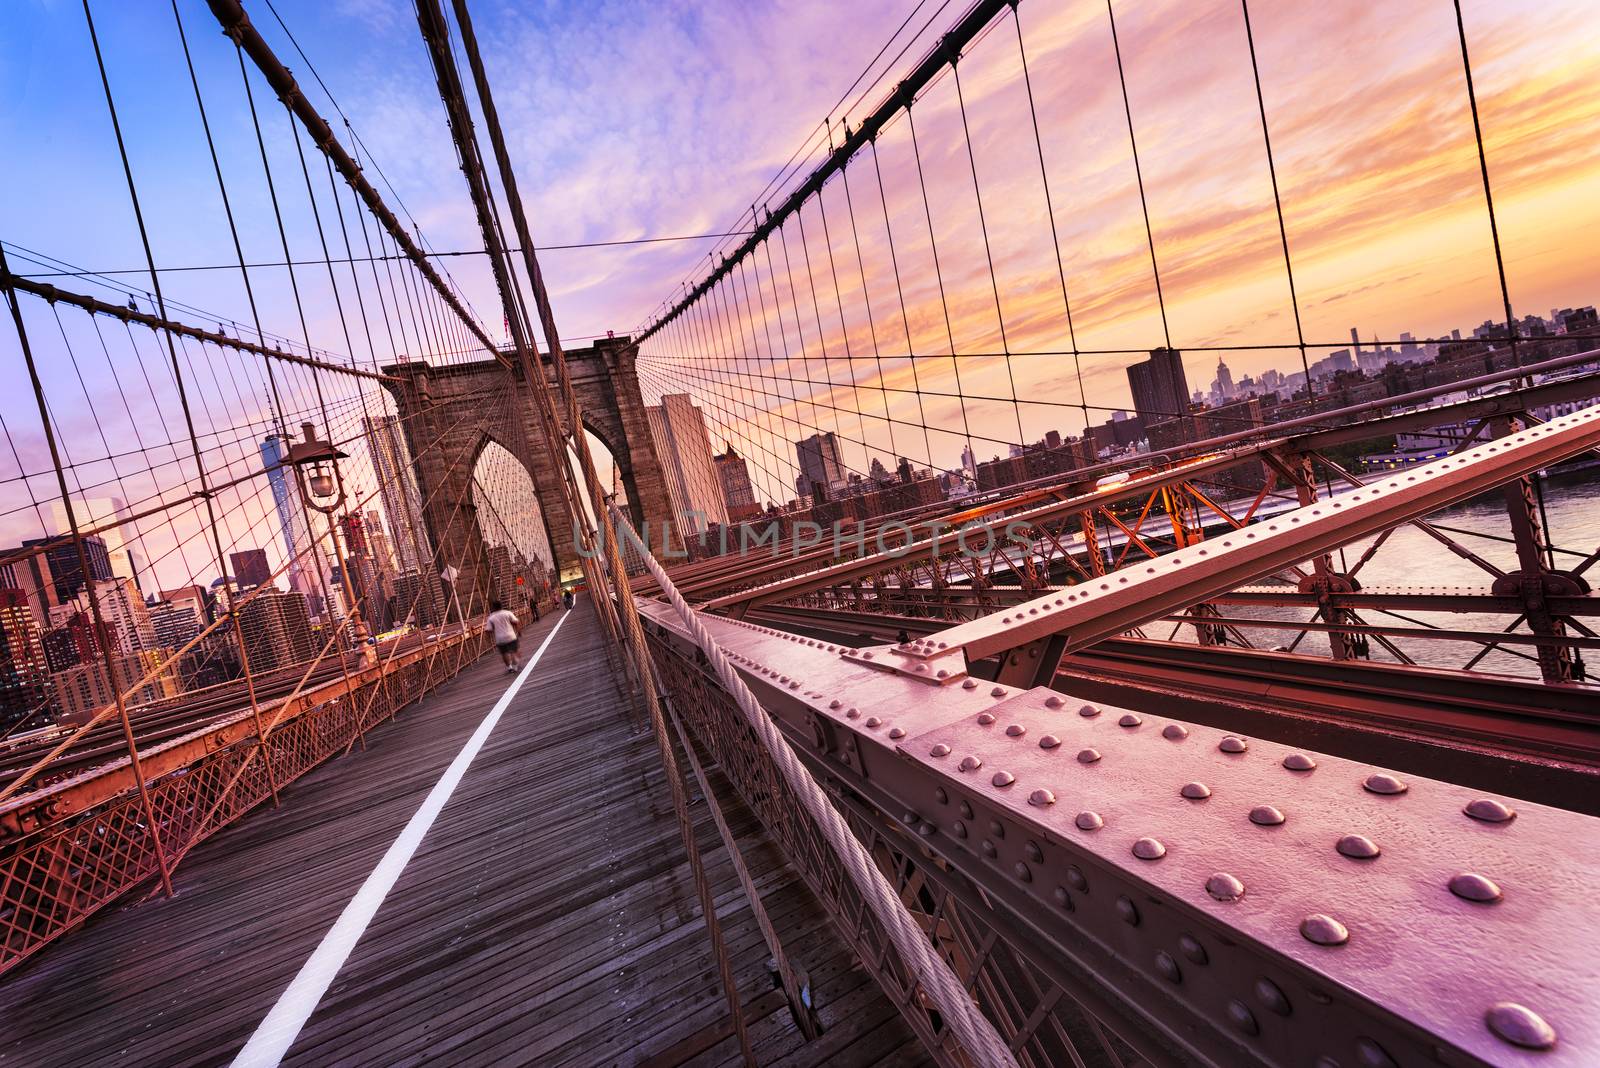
point(545, 917)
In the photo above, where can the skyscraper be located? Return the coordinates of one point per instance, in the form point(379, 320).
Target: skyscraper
point(402, 504)
point(24, 672)
point(66, 571)
point(121, 541)
point(291, 519)
point(124, 612)
point(276, 629)
point(1224, 380)
point(684, 449)
point(737, 491)
point(250, 568)
point(819, 461)
point(1160, 390)
point(32, 576)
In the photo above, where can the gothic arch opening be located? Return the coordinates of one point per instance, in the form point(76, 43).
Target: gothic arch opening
point(515, 536)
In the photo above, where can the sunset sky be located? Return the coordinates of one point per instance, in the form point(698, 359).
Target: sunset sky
point(632, 120)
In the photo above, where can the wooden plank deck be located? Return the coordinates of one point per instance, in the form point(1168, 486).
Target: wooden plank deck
point(547, 918)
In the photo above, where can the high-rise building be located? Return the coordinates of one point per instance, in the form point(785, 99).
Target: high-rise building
point(684, 449)
point(1224, 380)
point(71, 640)
point(194, 598)
point(32, 576)
point(82, 691)
point(737, 492)
point(250, 568)
point(175, 624)
point(363, 586)
point(418, 599)
point(1160, 390)
point(24, 671)
point(66, 570)
point(122, 541)
point(819, 462)
point(397, 488)
point(276, 629)
point(969, 460)
point(123, 610)
point(303, 570)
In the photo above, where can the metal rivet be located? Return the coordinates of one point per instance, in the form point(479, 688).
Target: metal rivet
point(1474, 887)
point(959, 828)
point(1176, 732)
point(897, 732)
point(966, 810)
point(874, 722)
point(940, 796)
point(1041, 797)
point(835, 703)
point(1272, 997)
point(1324, 930)
point(1233, 744)
point(1016, 730)
point(1195, 791)
point(1358, 847)
point(852, 713)
point(1128, 911)
point(998, 691)
point(1149, 849)
point(1371, 1055)
point(1089, 711)
point(926, 829)
point(1489, 810)
point(1076, 879)
point(985, 718)
point(1129, 720)
point(1049, 741)
point(1265, 816)
point(940, 750)
point(1063, 898)
point(1225, 887)
point(1053, 701)
point(1190, 947)
point(1520, 1025)
point(1168, 968)
point(1382, 783)
point(1035, 854)
point(942, 673)
point(1003, 778)
point(1022, 872)
point(1089, 821)
point(1088, 756)
point(971, 763)
point(1298, 762)
point(868, 654)
point(1242, 1018)
point(969, 684)
point(989, 850)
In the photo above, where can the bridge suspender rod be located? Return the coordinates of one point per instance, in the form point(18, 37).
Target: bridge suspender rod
point(976, 1034)
point(237, 25)
point(949, 47)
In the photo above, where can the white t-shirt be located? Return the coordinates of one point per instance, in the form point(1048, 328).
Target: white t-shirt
point(504, 625)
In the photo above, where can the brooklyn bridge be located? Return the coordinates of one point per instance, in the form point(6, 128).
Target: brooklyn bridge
point(904, 655)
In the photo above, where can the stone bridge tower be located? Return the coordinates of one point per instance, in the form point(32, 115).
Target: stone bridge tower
point(449, 414)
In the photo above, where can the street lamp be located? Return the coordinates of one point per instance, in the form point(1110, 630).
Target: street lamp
point(316, 468)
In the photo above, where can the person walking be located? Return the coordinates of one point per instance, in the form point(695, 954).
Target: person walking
point(505, 627)
point(566, 599)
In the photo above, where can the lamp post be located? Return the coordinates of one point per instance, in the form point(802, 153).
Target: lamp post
point(316, 471)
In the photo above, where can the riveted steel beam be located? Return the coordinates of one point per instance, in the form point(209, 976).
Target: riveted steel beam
point(1242, 901)
point(1107, 606)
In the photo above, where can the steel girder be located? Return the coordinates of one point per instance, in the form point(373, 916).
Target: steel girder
point(1244, 901)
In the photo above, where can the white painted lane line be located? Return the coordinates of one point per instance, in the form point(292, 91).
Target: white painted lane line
point(299, 1000)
